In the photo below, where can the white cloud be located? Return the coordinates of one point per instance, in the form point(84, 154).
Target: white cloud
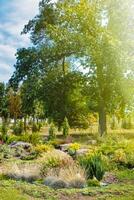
point(4, 67)
point(5, 71)
point(7, 50)
point(17, 14)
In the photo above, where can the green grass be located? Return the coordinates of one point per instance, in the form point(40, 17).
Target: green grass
point(125, 175)
point(11, 194)
point(19, 190)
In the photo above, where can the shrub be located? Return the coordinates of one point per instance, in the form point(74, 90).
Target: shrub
point(127, 123)
point(109, 147)
point(56, 142)
point(34, 138)
point(35, 128)
point(29, 156)
point(120, 156)
point(65, 127)
point(52, 131)
point(55, 159)
point(6, 151)
point(113, 123)
point(73, 148)
point(42, 148)
point(119, 152)
point(130, 160)
point(39, 126)
point(13, 138)
point(124, 156)
point(94, 165)
point(18, 128)
point(4, 130)
point(93, 182)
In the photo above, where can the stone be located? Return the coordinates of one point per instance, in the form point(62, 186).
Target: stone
point(24, 145)
point(82, 152)
point(93, 142)
point(64, 147)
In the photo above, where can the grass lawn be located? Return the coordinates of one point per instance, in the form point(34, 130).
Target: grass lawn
point(19, 190)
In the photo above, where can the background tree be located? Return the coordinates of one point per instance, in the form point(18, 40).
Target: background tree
point(14, 104)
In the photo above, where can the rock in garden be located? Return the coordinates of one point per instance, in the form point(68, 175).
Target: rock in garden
point(82, 152)
point(93, 142)
point(24, 145)
point(64, 147)
point(110, 178)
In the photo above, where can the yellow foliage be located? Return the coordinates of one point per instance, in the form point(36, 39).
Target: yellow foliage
point(43, 148)
point(120, 156)
point(74, 147)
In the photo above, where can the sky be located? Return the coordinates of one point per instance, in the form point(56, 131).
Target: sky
point(14, 14)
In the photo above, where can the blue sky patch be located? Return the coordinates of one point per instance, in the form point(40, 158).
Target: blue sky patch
point(14, 14)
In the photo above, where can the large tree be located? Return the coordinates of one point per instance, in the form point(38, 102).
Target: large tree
point(90, 32)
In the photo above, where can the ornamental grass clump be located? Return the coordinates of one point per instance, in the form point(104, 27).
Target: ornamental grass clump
point(72, 176)
point(56, 160)
point(23, 171)
point(94, 165)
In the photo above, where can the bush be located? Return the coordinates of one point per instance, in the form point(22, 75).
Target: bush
point(18, 128)
point(6, 151)
point(43, 148)
point(119, 152)
point(130, 160)
point(94, 165)
point(93, 183)
point(124, 156)
point(113, 123)
point(127, 123)
point(30, 156)
point(35, 128)
point(12, 138)
point(65, 127)
point(4, 130)
point(55, 159)
point(39, 126)
point(34, 138)
point(120, 157)
point(56, 142)
point(73, 148)
point(52, 132)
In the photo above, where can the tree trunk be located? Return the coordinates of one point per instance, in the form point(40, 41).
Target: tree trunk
point(102, 119)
